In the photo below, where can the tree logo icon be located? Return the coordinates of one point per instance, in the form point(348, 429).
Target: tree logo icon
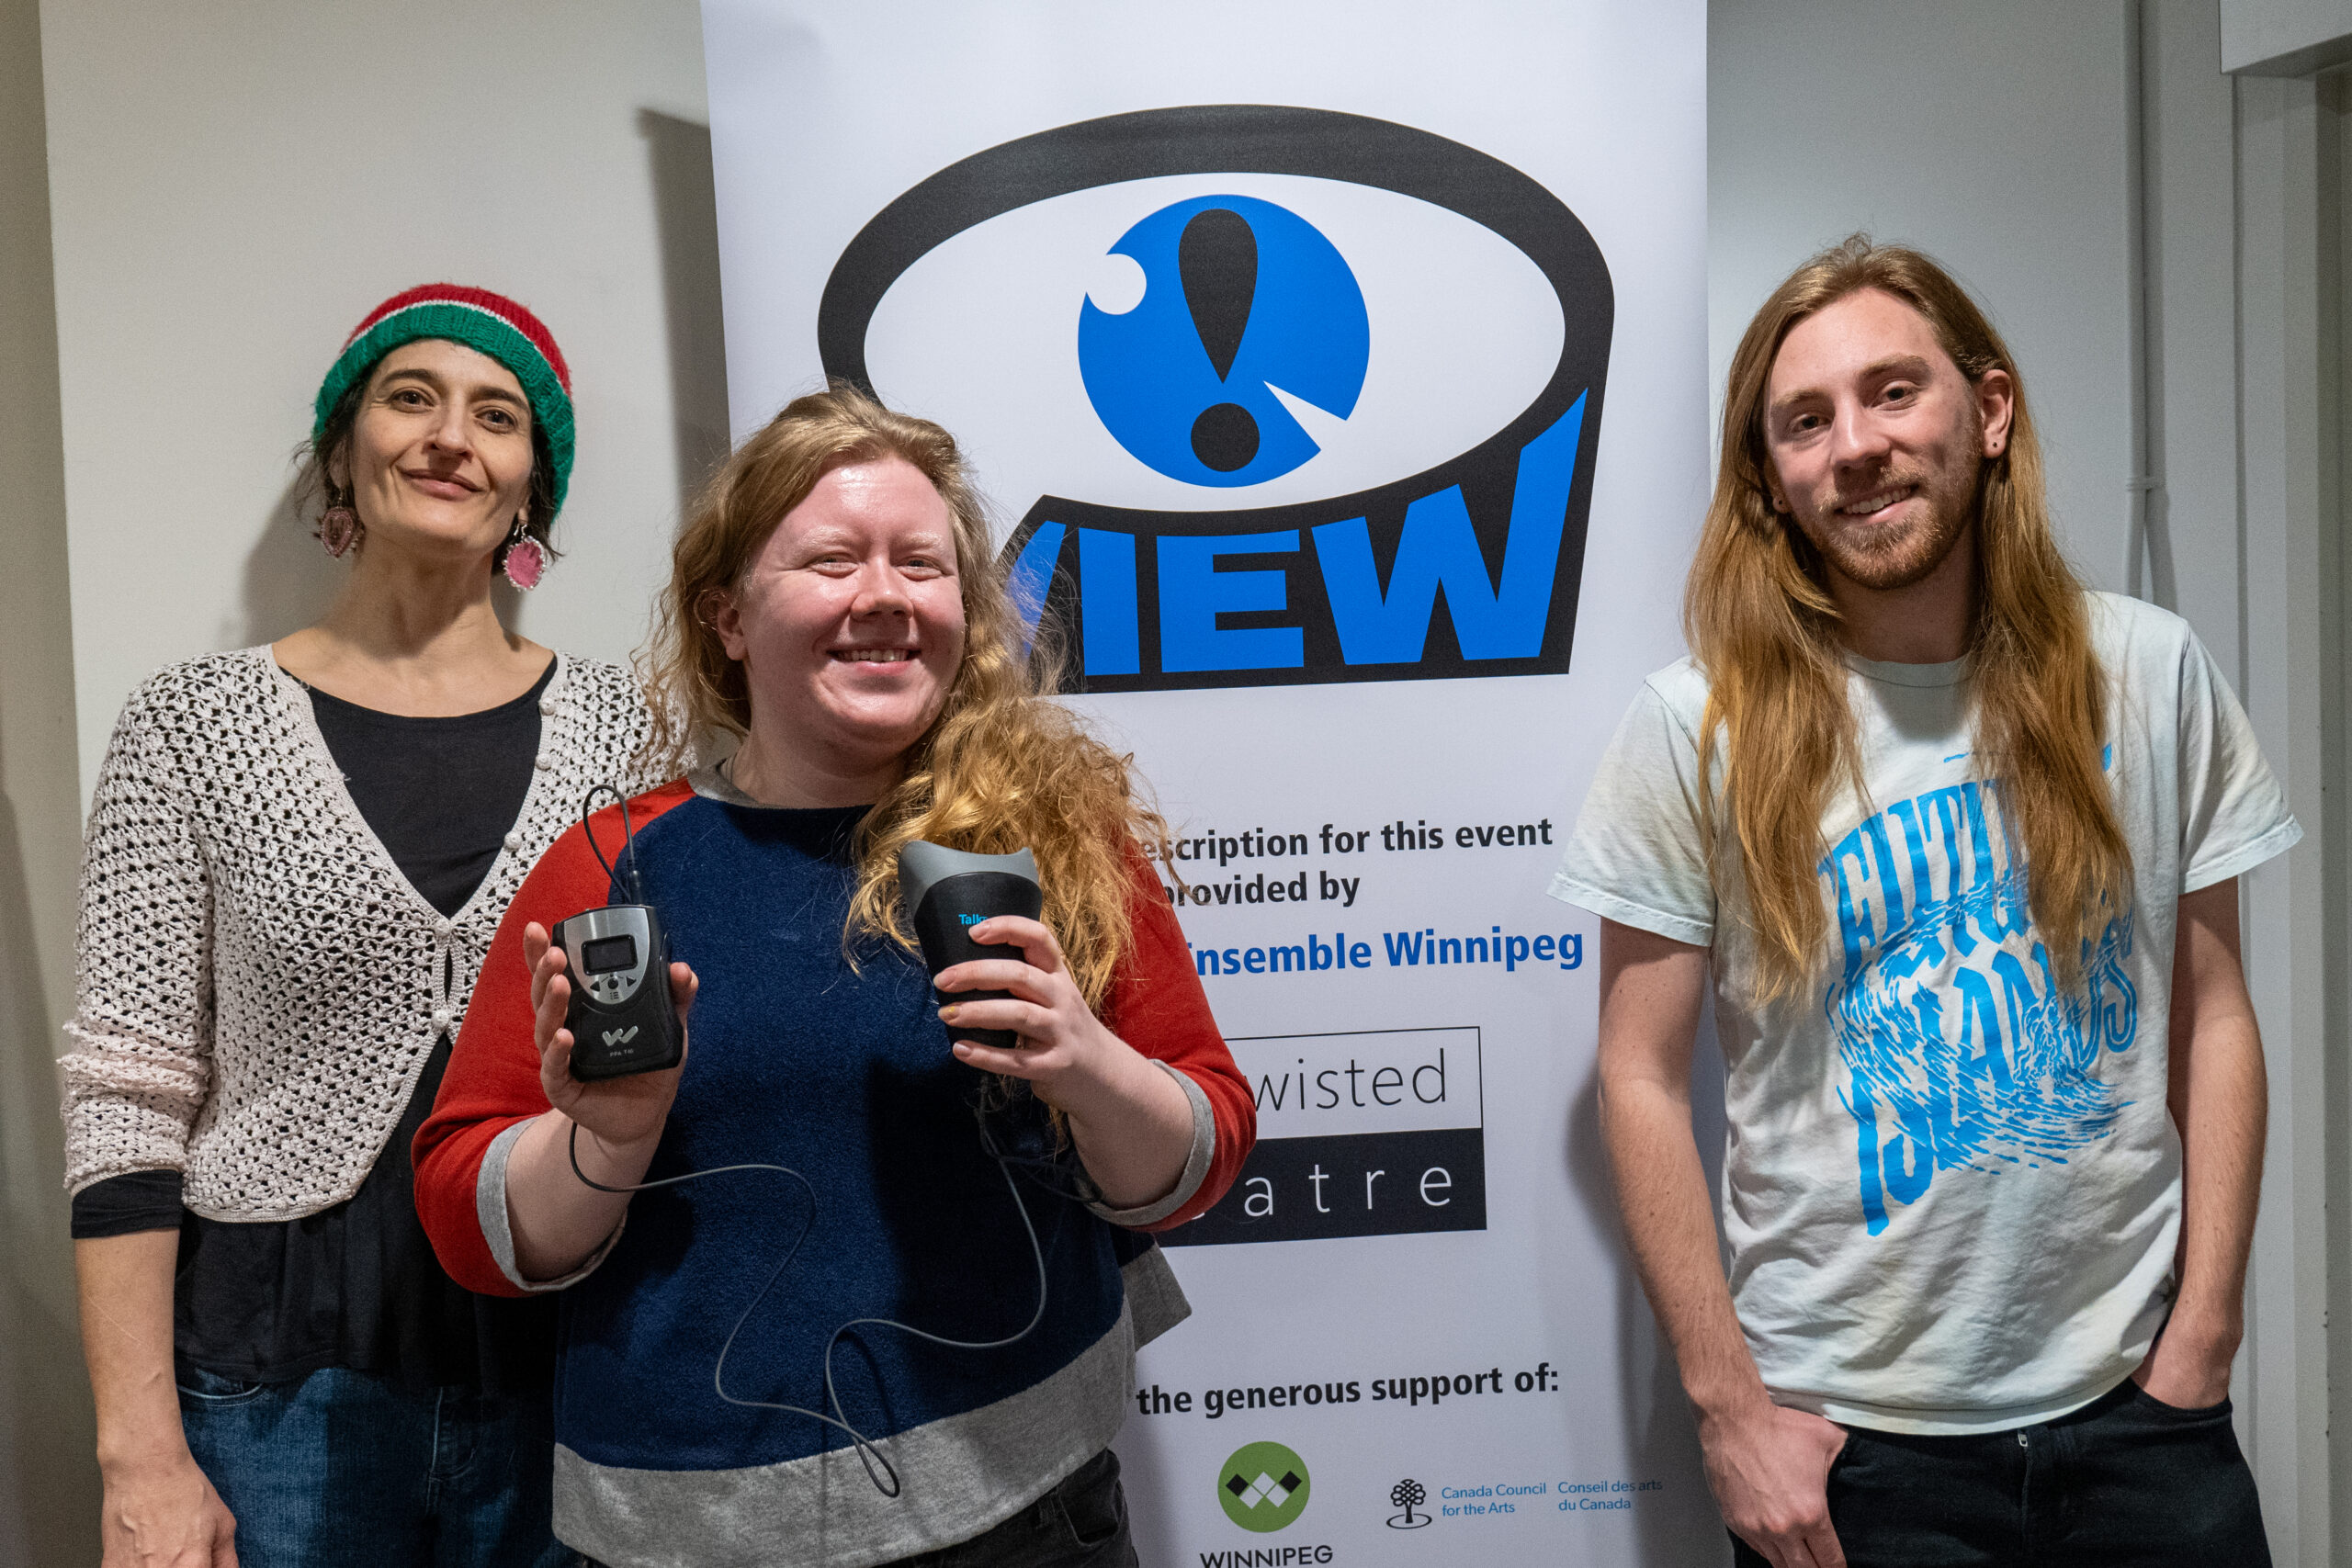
point(1408, 1495)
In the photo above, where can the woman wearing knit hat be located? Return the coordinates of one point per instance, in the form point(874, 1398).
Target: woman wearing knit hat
point(296, 859)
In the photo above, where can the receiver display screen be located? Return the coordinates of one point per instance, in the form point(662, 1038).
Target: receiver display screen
point(607, 953)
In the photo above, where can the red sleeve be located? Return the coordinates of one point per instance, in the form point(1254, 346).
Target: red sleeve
point(493, 1081)
point(1156, 1005)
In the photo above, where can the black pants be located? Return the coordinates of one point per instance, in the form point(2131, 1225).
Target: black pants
point(2122, 1481)
point(1083, 1523)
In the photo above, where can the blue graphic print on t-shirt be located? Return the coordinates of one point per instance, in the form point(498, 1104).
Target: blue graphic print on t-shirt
point(1962, 1053)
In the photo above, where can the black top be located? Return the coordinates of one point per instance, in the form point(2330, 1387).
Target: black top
point(357, 1285)
point(442, 793)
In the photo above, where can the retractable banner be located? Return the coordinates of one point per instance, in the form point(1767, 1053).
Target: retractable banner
point(1339, 372)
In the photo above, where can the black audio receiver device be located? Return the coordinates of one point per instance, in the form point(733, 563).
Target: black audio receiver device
point(947, 893)
point(622, 1017)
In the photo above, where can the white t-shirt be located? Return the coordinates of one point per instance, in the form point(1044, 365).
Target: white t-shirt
point(1950, 1197)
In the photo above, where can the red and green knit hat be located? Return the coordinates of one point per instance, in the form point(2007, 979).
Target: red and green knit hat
point(489, 323)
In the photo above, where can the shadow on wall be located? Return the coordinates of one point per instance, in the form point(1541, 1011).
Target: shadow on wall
point(290, 578)
point(1680, 1526)
point(686, 216)
point(50, 1508)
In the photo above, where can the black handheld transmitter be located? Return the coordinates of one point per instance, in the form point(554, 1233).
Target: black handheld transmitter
point(947, 892)
point(621, 1014)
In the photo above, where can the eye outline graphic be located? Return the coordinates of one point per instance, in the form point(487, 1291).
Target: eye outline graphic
point(1558, 430)
point(983, 335)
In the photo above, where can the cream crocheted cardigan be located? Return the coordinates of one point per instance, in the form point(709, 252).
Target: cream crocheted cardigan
point(259, 986)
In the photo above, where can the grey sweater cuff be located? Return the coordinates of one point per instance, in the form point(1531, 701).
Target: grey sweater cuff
point(1196, 1163)
point(490, 1206)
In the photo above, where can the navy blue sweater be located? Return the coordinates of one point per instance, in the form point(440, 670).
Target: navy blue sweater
point(841, 1071)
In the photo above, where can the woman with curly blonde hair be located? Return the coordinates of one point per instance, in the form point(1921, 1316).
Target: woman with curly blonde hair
point(835, 603)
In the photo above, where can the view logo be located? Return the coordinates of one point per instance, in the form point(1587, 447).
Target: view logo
point(1263, 1488)
point(1301, 395)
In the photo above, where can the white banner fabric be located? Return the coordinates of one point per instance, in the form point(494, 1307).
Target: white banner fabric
point(1339, 372)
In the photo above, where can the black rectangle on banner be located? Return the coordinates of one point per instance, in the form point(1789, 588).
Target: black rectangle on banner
point(1351, 1184)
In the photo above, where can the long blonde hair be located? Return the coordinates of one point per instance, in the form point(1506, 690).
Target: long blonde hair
point(1002, 767)
point(1760, 621)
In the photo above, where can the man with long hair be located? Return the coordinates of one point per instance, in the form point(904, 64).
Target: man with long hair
point(1959, 842)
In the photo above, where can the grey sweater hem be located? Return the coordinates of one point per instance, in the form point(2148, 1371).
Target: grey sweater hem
point(959, 1476)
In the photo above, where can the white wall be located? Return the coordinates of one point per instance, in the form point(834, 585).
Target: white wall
point(48, 1494)
point(1990, 135)
point(2289, 374)
point(2285, 38)
point(233, 186)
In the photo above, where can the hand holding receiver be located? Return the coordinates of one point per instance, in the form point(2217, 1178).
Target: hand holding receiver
point(1010, 1001)
point(1032, 1003)
point(618, 1112)
point(948, 895)
point(998, 975)
point(619, 1012)
point(1132, 1122)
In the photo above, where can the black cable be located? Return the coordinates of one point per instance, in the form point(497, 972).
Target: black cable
point(869, 1454)
point(628, 835)
point(1080, 1188)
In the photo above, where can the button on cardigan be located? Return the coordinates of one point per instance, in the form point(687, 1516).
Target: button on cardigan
point(259, 987)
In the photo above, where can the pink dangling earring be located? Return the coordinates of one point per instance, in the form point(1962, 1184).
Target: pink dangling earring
point(527, 558)
point(338, 529)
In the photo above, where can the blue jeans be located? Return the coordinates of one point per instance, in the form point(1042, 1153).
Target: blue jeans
point(2124, 1481)
point(344, 1468)
point(1083, 1523)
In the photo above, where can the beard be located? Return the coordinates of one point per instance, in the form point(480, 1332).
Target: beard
point(1884, 557)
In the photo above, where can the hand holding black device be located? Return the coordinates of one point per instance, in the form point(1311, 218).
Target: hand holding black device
point(947, 893)
point(622, 1017)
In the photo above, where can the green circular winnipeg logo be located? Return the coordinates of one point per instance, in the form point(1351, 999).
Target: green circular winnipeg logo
point(1262, 1487)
